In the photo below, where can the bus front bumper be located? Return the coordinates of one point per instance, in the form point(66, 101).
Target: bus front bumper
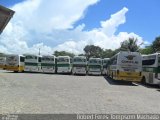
point(14, 68)
point(129, 76)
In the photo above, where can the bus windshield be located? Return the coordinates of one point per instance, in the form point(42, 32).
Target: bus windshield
point(79, 60)
point(12, 60)
point(47, 59)
point(62, 60)
point(30, 57)
point(95, 61)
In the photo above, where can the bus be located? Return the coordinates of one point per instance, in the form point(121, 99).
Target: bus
point(105, 65)
point(15, 63)
point(79, 65)
point(95, 66)
point(64, 64)
point(32, 63)
point(48, 63)
point(2, 62)
point(151, 68)
point(126, 66)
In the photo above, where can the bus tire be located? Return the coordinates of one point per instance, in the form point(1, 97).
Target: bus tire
point(112, 75)
point(143, 81)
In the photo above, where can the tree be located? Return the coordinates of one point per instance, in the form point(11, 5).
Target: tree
point(130, 45)
point(92, 51)
point(156, 44)
point(2, 54)
point(107, 53)
point(63, 53)
point(147, 50)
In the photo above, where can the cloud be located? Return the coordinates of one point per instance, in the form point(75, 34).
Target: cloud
point(49, 26)
point(104, 36)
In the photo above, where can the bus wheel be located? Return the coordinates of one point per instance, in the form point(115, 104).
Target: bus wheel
point(112, 75)
point(143, 81)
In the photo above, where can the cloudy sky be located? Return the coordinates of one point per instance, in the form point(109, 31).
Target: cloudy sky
point(70, 25)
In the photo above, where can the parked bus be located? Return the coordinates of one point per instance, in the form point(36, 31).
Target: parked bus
point(126, 66)
point(2, 62)
point(32, 63)
point(95, 66)
point(64, 64)
point(48, 63)
point(151, 68)
point(15, 63)
point(105, 65)
point(79, 65)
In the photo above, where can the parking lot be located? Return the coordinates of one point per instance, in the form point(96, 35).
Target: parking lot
point(52, 93)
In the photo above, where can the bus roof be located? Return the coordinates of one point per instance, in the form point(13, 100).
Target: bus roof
point(48, 56)
point(95, 59)
point(32, 55)
point(14, 55)
point(106, 58)
point(151, 54)
point(125, 52)
point(63, 57)
point(79, 57)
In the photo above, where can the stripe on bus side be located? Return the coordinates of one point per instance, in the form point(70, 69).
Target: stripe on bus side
point(47, 64)
point(94, 66)
point(63, 65)
point(31, 64)
point(151, 69)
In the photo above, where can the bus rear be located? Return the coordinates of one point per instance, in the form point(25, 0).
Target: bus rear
point(129, 66)
point(15, 63)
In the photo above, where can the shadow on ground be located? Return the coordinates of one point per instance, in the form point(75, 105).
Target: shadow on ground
point(150, 86)
point(115, 82)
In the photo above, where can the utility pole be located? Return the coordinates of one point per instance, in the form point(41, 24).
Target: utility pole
point(39, 51)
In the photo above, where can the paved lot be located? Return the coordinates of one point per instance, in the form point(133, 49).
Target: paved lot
point(50, 93)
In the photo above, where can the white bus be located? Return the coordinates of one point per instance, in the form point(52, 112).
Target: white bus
point(15, 63)
point(2, 62)
point(105, 65)
point(95, 66)
point(79, 65)
point(126, 66)
point(151, 68)
point(64, 64)
point(48, 63)
point(32, 63)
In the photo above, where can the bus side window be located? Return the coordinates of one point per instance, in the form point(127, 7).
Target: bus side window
point(148, 62)
point(39, 59)
point(21, 59)
point(114, 62)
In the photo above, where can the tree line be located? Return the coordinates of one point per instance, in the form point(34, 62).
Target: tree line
point(129, 44)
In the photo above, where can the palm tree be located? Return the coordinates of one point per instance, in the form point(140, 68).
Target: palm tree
point(156, 44)
point(130, 45)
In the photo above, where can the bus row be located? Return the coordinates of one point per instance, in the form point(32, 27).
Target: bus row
point(52, 64)
point(127, 66)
